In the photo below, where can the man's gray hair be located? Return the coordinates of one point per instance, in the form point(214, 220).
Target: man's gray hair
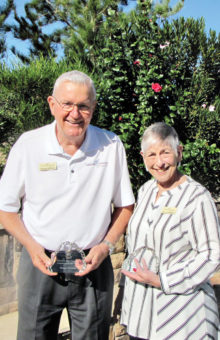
point(160, 131)
point(76, 77)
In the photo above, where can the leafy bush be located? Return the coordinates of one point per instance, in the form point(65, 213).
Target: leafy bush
point(146, 70)
point(23, 97)
point(149, 71)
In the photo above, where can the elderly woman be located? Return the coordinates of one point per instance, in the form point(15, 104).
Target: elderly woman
point(174, 248)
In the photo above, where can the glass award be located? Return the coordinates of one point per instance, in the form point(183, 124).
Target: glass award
point(141, 253)
point(68, 259)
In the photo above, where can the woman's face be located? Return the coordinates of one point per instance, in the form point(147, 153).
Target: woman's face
point(161, 161)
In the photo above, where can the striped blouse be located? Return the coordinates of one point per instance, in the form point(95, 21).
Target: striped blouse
point(179, 238)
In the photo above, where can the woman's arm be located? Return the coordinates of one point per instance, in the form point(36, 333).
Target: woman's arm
point(202, 227)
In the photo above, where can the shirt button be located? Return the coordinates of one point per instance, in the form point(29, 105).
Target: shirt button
point(72, 171)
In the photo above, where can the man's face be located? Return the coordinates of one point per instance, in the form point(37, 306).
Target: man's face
point(72, 120)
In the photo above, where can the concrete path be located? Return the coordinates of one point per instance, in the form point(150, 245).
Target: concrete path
point(8, 325)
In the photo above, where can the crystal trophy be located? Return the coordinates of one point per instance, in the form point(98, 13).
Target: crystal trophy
point(68, 259)
point(139, 254)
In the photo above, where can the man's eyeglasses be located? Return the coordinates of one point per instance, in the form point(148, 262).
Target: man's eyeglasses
point(68, 107)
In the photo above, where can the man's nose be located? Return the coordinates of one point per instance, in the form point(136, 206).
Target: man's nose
point(75, 113)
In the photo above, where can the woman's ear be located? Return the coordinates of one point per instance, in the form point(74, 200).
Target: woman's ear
point(180, 152)
point(142, 154)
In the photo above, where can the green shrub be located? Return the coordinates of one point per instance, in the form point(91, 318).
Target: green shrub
point(23, 97)
point(140, 51)
point(145, 71)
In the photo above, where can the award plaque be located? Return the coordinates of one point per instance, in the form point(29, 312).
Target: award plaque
point(68, 259)
point(139, 254)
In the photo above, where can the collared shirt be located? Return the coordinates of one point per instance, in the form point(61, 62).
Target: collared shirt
point(66, 198)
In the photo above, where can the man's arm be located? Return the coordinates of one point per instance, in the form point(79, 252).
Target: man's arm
point(14, 225)
point(98, 253)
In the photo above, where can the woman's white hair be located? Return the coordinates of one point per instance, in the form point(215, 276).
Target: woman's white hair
point(76, 77)
point(160, 131)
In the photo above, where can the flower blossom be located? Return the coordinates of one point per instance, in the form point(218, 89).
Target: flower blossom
point(137, 62)
point(120, 118)
point(167, 43)
point(204, 106)
point(156, 87)
point(211, 108)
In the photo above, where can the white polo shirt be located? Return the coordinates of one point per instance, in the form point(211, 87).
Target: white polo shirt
point(66, 198)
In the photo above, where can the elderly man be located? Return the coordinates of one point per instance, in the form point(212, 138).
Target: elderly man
point(65, 177)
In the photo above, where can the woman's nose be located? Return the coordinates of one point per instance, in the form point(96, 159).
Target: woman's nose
point(159, 160)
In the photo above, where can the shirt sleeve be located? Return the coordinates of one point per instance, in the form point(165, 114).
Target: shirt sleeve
point(123, 191)
point(12, 180)
point(203, 259)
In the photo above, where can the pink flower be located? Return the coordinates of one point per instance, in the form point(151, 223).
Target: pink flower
point(204, 106)
point(211, 108)
point(120, 118)
point(156, 87)
point(167, 43)
point(137, 62)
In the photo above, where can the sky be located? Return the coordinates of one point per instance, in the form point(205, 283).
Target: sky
point(209, 9)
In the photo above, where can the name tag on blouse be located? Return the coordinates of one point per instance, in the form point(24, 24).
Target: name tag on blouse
point(48, 166)
point(169, 210)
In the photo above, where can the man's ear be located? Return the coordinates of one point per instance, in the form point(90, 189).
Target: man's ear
point(94, 105)
point(50, 101)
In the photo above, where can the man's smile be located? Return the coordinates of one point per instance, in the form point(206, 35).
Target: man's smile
point(74, 122)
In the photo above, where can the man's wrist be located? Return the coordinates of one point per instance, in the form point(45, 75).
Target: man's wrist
point(110, 245)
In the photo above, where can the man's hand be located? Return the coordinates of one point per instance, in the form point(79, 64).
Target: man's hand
point(143, 275)
point(95, 257)
point(39, 259)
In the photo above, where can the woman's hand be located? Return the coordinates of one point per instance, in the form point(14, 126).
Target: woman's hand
point(143, 275)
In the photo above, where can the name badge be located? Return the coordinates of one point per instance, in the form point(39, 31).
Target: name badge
point(48, 166)
point(169, 210)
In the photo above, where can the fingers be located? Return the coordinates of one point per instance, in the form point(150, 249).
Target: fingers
point(42, 262)
point(143, 275)
point(145, 267)
point(132, 276)
point(139, 273)
point(87, 270)
point(93, 260)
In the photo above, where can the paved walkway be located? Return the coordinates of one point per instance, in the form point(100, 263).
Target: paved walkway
point(8, 325)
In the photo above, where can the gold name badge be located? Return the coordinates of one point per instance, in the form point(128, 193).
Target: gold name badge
point(48, 166)
point(169, 210)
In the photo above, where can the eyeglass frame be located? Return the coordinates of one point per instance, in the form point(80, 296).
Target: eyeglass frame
point(72, 105)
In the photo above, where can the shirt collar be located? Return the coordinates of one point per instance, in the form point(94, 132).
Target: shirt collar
point(91, 141)
point(54, 147)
